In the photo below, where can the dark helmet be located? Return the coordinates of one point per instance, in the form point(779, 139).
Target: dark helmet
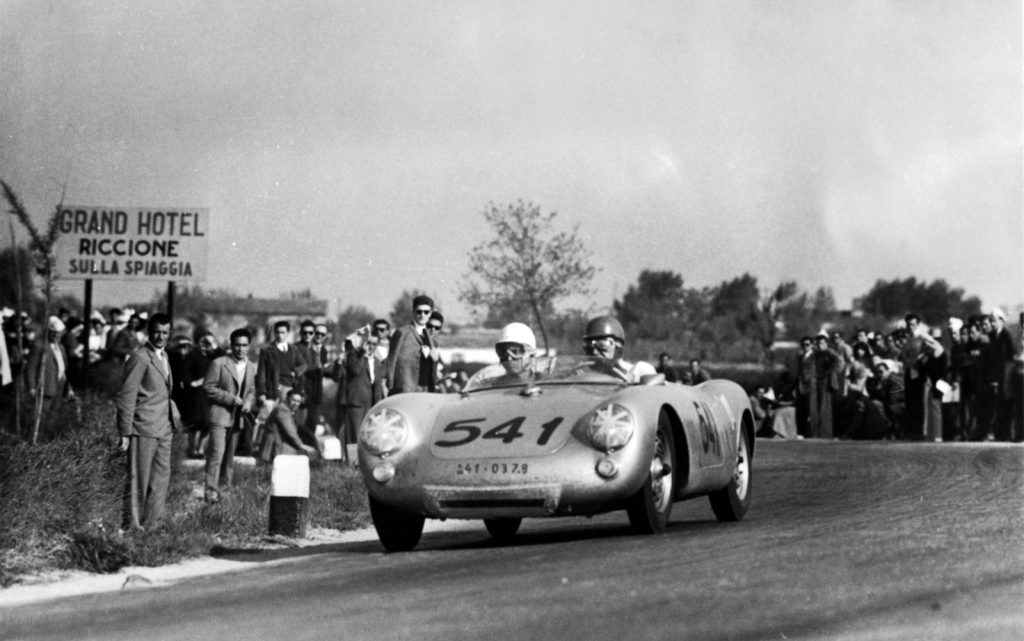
point(605, 326)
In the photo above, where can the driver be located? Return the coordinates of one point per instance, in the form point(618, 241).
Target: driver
point(516, 348)
point(604, 338)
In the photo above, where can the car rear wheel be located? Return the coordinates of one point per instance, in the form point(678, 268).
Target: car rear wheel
point(503, 529)
point(731, 502)
point(398, 531)
point(650, 507)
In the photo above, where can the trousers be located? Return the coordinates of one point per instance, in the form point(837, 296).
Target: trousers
point(220, 459)
point(149, 473)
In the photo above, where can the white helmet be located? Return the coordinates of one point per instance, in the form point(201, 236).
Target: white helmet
point(518, 333)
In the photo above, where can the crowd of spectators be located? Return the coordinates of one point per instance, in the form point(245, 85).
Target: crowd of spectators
point(957, 383)
point(964, 382)
point(361, 369)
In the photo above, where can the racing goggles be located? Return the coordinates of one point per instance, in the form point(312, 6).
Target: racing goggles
point(513, 351)
point(600, 341)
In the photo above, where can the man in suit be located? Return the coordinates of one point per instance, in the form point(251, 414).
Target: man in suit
point(281, 367)
point(666, 367)
point(146, 421)
point(382, 328)
point(914, 418)
point(312, 340)
point(364, 377)
point(49, 363)
point(434, 326)
point(410, 368)
point(230, 389)
point(282, 435)
point(697, 374)
point(805, 376)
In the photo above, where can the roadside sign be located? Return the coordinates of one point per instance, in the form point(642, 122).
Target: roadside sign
point(132, 243)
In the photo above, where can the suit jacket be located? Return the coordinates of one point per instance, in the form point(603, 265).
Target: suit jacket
point(191, 401)
point(282, 434)
point(221, 389)
point(279, 368)
point(805, 371)
point(316, 364)
point(144, 405)
point(405, 357)
point(359, 390)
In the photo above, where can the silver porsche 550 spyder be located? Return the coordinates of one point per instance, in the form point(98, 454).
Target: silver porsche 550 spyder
point(571, 438)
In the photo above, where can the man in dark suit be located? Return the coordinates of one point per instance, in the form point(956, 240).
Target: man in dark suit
point(230, 388)
point(666, 367)
point(696, 373)
point(409, 364)
point(146, 421)
point(315, 353)
point(281, 366)
point(48, 363)
point(363, 386)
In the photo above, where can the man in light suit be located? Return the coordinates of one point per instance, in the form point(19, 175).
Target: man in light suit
point(230, 389)
point(364, 387)
point(410, 368)
point(146, 421)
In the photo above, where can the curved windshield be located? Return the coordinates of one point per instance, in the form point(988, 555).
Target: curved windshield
point(551, 370)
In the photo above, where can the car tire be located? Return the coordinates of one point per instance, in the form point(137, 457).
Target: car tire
point(650, 507)
point(731, 502)
point(503, 529)
point(398, 531)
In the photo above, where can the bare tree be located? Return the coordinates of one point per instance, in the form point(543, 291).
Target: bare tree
point(528, 264)
point(41, 247)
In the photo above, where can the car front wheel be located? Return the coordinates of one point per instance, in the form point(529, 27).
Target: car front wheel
point(503, 529)
point(650, 507)
point(398, 531)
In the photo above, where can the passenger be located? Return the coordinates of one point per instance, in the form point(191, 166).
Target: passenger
point(516, 348)
point(605, 338)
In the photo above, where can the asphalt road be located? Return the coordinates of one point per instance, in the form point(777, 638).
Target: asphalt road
point(844, 541)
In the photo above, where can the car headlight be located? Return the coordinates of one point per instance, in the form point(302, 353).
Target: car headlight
point(608, 428)
point(383, 431)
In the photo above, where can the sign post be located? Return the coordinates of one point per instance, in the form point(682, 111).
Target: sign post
point(87, 329)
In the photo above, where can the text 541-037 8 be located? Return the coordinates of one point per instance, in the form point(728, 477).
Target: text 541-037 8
point(491, 468)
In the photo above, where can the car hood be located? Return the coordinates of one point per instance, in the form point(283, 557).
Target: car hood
point(509, 423)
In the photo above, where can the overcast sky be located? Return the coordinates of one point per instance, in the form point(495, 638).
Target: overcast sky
point(350, 147)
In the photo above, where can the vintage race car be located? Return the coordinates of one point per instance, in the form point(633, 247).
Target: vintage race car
point(571, 438)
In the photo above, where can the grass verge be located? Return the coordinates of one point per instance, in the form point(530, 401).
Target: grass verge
point(60, 504)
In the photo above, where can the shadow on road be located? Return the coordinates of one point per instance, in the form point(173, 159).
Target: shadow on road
point(541, 532)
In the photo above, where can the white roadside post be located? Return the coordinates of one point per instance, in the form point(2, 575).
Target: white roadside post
point(289, 495)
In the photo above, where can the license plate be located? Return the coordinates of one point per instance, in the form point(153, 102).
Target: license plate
point(480, 469)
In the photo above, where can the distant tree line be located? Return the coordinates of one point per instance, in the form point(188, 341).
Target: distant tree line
point(530, 264)
point(739, 320)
